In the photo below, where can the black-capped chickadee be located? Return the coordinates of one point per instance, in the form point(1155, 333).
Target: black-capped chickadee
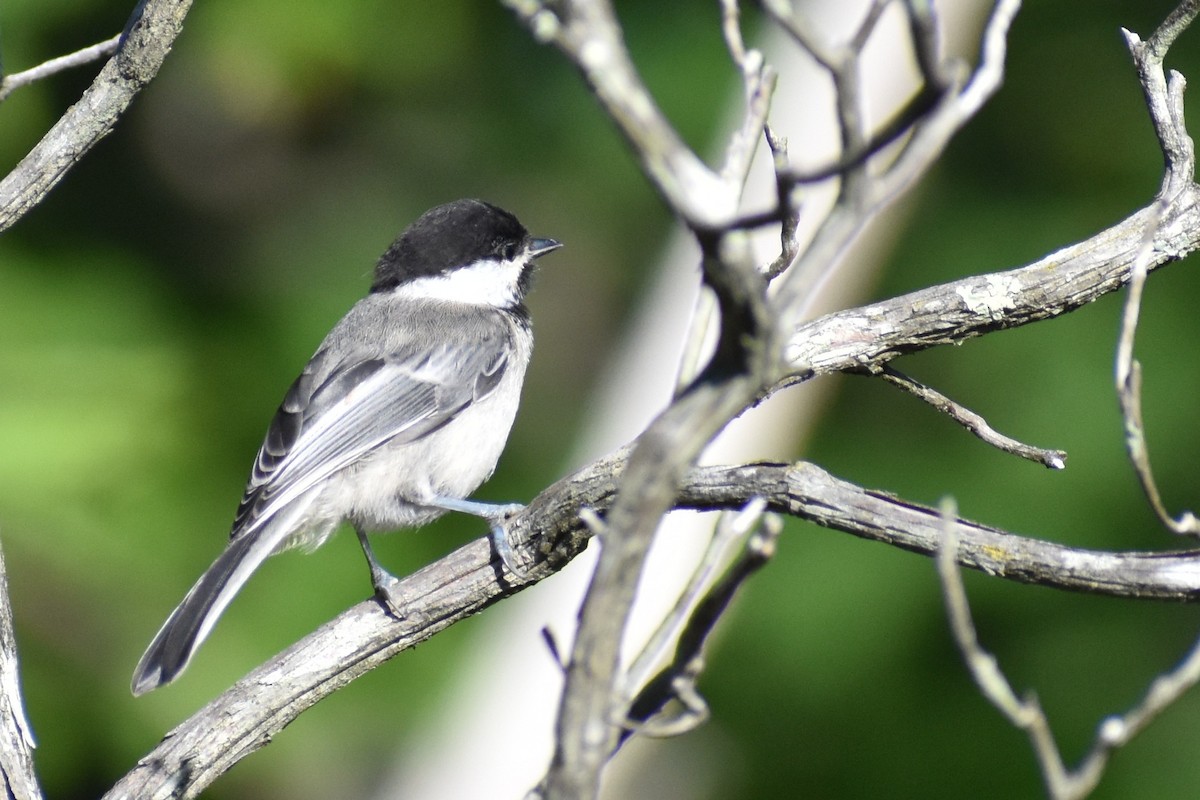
point(397, 419)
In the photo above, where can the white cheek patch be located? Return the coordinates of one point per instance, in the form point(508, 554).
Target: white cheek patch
point(485, 283)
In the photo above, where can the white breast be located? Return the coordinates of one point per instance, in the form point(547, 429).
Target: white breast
point(383, 491)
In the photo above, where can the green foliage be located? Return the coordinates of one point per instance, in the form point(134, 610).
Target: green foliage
point(154, 309)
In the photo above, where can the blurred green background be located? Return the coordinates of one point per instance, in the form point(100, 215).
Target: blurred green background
point(156, 306)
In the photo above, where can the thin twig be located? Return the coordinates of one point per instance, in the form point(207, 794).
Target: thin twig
point(925, 144)
point(988, 76)
point(1129, 384)
point(976, 424)
point(1164, 100)
point(866, 28)
point(789, 212)
point(1026, 713)
point(1179, 20)
point(758, 85)
point(926, 32)
point(95, 52)
point(837, 62)
point(678, 683)
point(896, 127)
point(730, 527)
point(788, 16)
point(588, 33)
point(148, 36)
point(731, 29)
point(695, 618)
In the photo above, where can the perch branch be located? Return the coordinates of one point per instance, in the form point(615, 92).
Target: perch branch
point(465, 582)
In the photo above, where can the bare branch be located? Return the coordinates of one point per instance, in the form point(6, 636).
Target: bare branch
point(1026, 713)
point(16, 736)
point(789, 241)
point(15, 81)
point(1178, 21)
point(465, 582)
point(587, 32)
point(1054, 459)
point(586, 733)
point(807, 492)
point(759, 84)
point(147, 40)
point(1164, 99)
point(731, 29)
point(730, 527)
point(926, 37)
point(927, 141)
point(868, 336)
point(646, 715)
point(630, 492)
point(1129, 384)
point(989, 75)
point(788, 16)
point(695, 617)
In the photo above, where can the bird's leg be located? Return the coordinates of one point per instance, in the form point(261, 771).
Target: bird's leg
point(496, 515)
point(386, 584)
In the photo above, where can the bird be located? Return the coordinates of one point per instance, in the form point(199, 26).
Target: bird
point(399, 416)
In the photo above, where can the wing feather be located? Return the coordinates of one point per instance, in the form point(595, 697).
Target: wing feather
point(337, 413)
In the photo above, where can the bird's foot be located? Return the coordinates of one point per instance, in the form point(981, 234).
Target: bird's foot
point(387, 585)
point(504, 548)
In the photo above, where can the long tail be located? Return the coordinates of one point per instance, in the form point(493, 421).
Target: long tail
point(191, 621)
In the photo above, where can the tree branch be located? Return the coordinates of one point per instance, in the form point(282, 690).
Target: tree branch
point(636, 487)
point(462, 584)
point(587, 33)
point(976, 424)
point(1027, 714)
point(16, 735)
point(15, 81)
point(953, 312)
point(694, 618)
point(144, 45)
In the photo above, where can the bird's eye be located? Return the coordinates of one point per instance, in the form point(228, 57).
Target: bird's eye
point(509, 251)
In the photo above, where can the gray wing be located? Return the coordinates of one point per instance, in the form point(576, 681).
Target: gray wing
point(336, 412)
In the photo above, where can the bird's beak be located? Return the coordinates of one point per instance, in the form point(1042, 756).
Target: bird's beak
point(539, 247)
